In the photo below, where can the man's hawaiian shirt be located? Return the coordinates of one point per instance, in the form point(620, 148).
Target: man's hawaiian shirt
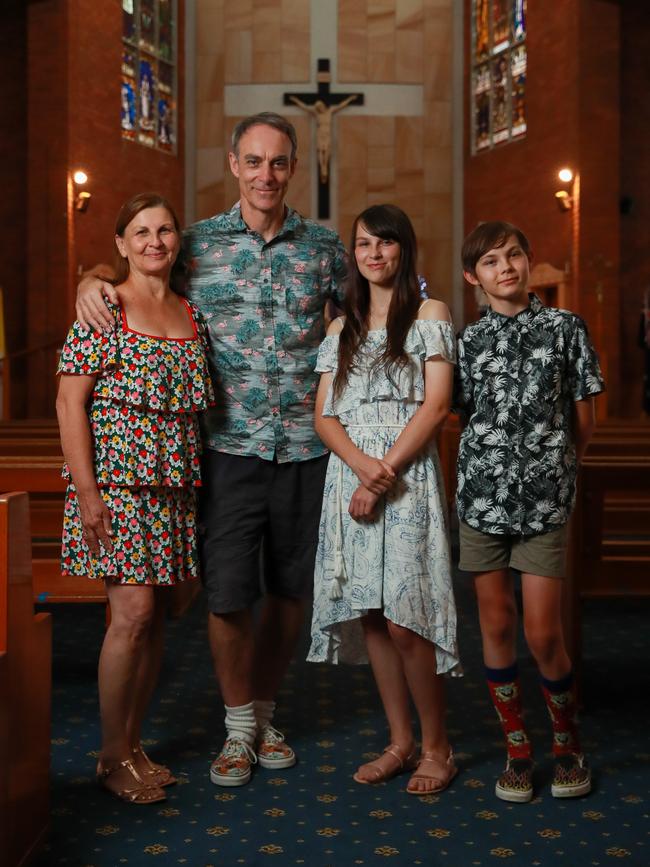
point(263, 303)
point(517, 379)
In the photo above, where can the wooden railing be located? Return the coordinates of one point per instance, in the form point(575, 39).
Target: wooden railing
point(46, 354)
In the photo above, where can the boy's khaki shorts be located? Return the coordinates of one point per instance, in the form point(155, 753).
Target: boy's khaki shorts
point(538, 555)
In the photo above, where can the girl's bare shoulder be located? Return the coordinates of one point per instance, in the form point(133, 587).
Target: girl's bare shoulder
point(433, 309)
point(336, 326)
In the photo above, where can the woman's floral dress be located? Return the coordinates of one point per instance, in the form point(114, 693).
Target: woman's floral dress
point(146, 440)
point(398, 563)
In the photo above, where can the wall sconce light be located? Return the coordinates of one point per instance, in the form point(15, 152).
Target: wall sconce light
point(563, 198)
point(82, 197)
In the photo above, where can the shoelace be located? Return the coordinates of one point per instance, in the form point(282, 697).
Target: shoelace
point(271, 734)
point(235, 747)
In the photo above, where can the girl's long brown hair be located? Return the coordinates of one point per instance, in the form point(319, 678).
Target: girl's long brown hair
point(391, 224)
point(128, 212)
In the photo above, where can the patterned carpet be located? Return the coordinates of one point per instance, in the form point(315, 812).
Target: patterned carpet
point(314, 814)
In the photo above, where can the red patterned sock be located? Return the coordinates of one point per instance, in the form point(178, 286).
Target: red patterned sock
point(503, 684)
point(562, 708)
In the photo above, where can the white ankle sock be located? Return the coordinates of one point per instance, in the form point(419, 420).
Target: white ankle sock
point(241, 723)
point(264, 711)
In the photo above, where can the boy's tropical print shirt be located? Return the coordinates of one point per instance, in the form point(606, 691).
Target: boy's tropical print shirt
point(517, 379)
point(263, 304)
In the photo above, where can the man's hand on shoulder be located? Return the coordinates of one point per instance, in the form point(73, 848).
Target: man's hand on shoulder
point(91, 308)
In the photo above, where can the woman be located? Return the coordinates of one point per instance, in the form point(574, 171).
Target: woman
point(127, 407)
point(383, 568)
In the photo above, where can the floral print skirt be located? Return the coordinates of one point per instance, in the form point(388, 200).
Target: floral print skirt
point(154, 537)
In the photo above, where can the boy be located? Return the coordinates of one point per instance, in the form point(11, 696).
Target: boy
point(526, 380)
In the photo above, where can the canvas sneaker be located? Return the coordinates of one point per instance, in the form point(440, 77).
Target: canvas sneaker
point(272, 751)
point(516, 782)
point(571, 776)
point(233, 765)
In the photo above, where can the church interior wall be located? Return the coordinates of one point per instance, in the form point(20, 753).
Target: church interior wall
point(73, 69)
point(118, 169)
point(635, 194)
point(574, 119)
point(47, 263)
point(597, 281)
point(13, 174)
point(516, 181)
point(395, 158)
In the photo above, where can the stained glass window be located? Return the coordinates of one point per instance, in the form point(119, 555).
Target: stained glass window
point(498, 81)
point(148, 106)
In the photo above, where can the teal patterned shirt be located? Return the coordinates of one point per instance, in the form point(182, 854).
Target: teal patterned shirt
point(517, 379)
point(263, 304)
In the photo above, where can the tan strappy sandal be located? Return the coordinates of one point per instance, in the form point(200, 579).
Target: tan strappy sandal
point(404, 763)
point(157, 775)
point(441, 772)
point(142, 793)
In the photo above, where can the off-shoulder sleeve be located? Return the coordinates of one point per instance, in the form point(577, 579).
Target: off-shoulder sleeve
point(87, 352)
point(436, 339)
point(328, 354)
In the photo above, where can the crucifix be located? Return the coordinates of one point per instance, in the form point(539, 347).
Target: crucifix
point(323, 105)
point(385, 99)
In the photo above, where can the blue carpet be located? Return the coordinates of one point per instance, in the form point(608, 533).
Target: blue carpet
point(314, 814)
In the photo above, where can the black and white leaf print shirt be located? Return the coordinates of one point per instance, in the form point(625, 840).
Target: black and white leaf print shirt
point(517, 379)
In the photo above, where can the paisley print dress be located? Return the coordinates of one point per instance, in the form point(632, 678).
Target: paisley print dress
point(400, 562)
point(146, 441)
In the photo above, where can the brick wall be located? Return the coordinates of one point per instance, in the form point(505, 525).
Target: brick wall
point(573, 119)
point(74, 65)
point(13, 169)
point(516, 181)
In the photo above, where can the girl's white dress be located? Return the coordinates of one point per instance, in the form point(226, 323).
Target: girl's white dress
point(399, 562)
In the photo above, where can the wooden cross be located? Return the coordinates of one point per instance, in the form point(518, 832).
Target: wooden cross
point(323, 105)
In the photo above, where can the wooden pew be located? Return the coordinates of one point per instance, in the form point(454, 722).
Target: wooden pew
point(25, 692)
point(40, 476)
point(609, 551)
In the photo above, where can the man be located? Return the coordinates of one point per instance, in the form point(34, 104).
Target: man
point(262, 276)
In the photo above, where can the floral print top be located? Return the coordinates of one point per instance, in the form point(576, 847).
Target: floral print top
point(143, 407)
point(517, 379)
point(263, 303)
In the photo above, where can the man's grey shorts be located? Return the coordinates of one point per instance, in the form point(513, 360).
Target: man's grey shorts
point(537, 555)
point(258, 516)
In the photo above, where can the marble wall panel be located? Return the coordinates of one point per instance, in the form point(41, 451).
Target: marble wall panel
point(409, 14)
point(409, 56)
point(238, 65)
point(295, 41)
point(352, 135)
point(209, 126)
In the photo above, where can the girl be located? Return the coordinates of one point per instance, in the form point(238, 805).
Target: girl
point(382, 567)
point(127, 405)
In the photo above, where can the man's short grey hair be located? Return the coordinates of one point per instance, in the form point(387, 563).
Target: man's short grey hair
point(265, 118)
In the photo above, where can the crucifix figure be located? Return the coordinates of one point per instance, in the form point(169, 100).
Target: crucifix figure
point(323, 114)
point(323, 105)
